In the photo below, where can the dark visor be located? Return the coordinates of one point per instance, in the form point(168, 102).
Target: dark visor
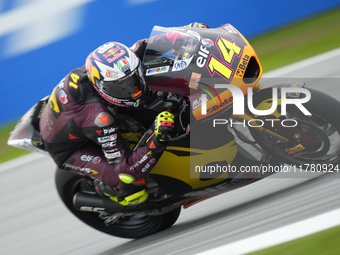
point(126, 88)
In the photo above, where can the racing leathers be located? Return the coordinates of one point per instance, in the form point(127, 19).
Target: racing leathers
point(82, 132)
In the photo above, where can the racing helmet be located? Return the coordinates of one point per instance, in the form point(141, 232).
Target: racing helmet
point(116, 74)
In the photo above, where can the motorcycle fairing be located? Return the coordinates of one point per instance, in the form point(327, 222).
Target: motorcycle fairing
point(180, 165)
point(222, 56)
point(25, 134)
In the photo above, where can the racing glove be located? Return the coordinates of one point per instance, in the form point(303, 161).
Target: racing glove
point(196, 24)
point(164, 125)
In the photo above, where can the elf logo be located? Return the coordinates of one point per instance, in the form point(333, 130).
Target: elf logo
point(202, 59)
point(89, 158)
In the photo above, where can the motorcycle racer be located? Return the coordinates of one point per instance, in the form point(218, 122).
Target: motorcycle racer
point(82, 113)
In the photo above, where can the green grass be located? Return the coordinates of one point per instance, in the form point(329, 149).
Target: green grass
point(275, 49)
point(298, 41)
point(325, 242)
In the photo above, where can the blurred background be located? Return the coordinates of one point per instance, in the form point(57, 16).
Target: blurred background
point(43, 40)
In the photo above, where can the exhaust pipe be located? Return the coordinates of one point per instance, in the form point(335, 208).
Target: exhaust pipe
point(92, 202)
point(86, 201)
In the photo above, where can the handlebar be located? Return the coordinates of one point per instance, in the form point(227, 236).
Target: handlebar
point(171, 103)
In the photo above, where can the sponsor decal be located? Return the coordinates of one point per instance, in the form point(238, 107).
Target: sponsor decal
point(72, 137)
point(78, 168)
point(103, 119)
point(89, 158)
point(180, 65)
point(61, 84)
point(96, 160)
point(109, 130)
point(207, 42)
point(194, 80)
point(63, 97)
point(115, 161)
point(109, 144)
point(152, 161)
point(99, 132)
point(146, 167)
point(91, 209)
point(111, 52)
point(230, 29)
point(123, 65)
point(157, 70)
point(107, 138)
point(295, 149)
point(145, 157)
point(152, 145)
point(112, 155)
point(27, 145)
point(94, 172)
point(108, 98)
point(109, 74)
point(112, 150)
point(242, 66)
point(116, 56)
point(195, 84)
point(203, 55)
point(216, 107)
point(197, 103)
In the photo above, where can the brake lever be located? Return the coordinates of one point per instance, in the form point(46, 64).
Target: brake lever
point(177, 138)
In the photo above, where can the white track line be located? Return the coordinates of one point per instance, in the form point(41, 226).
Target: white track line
point(279, 235)
point(17, 162)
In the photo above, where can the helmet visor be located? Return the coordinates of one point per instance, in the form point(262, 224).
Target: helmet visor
point(129, 87)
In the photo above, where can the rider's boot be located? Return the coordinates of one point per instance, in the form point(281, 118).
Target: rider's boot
point(131, 192)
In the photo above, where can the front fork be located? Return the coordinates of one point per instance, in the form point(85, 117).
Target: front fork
point(247, 117)
point(286, 136)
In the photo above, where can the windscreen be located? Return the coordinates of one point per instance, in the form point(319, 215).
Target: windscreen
point(170, 49)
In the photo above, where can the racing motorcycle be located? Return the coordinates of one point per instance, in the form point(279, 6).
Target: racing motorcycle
point(192, 81)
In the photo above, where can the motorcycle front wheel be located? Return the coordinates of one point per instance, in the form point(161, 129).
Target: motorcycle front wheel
point(323, 125)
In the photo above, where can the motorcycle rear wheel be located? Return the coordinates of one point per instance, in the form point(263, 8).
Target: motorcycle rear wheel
point(138, 226)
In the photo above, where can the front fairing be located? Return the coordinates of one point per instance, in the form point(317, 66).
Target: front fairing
point(214, 56)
